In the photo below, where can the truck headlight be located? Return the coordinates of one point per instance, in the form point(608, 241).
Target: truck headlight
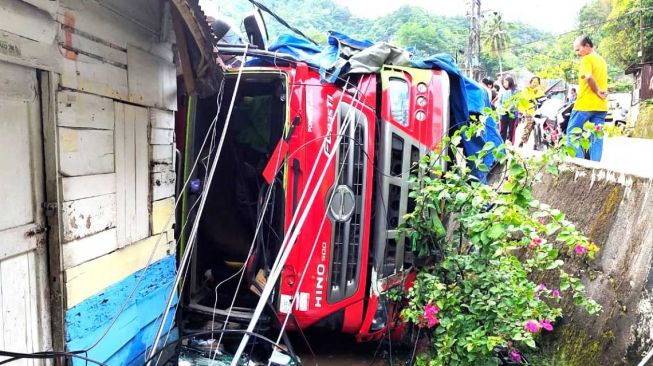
point(380, 316)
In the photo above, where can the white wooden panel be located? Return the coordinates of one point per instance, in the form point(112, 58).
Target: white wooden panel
point(88, 216)
point(15, 278)
point(27, 21)
point(83, 250)
point(162, 153)
point(160, 136)
point(18, 82)
point(79, 43)
point(27, 52)
point(119, 137)
point(97, 18)
point(94, 76)
point(85, 152)
point(129, 175)
point(142, 173)
point(93, 276)
point(163, 185)
point(162, 119)
point(50, 6)
point(18, 240)
point(86, 186)
point(23, 315)
point(15, 167)
point(132, 173)
point(84, 110)
point(152, 80)
point(161, 167)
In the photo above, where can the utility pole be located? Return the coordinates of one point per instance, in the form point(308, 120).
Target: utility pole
point(641, 31)
point(474, 44)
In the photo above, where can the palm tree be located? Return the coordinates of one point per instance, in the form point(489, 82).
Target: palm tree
point(495, 36)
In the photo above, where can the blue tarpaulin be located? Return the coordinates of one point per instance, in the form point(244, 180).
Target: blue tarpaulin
point(467, 97)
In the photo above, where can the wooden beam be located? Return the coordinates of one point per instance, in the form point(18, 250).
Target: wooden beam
point(182, 48)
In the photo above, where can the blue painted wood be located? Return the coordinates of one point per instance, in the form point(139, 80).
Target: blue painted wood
point(86, 321)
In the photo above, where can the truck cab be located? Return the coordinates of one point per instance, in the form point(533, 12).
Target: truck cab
point(349, 251)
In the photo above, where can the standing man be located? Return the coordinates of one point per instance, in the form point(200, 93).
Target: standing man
point(592, 103)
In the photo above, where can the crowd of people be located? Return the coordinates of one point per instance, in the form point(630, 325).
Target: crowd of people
point(590, 100)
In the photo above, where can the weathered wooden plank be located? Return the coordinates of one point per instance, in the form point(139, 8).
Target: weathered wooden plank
point(27, 21)
point(18, 240)
point(86, 186)
point(18, 83)
point(101, 20)
point(160, 167)
point(159, 136)
point(14, 302)
point(15, 173)
point(27, 52)
point(163, 185)
point(130, 176)
point(85, 152)
point(88, 216)
point(83, 43)
point(94, 276)
point(162, 213)
point(50, 6)
point(84, 110)
point(152, 80)
point(162, 119)
point(162, 153)
point(119, 138)
point(86, 249)
point(142, 174)
point(93, 76)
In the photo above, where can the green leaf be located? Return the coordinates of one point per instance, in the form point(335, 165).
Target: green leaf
point(585, 144)
point(496, 231)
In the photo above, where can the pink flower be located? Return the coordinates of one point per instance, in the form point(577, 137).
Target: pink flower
point(537, 240)
point(546, 325)
point(515, 356)
point(580, 249)
point(532, 246)
point(541, 220)
point(555, 293)
point(430, 312)
point(540, 287)
point(598, 127)
point(532, 326)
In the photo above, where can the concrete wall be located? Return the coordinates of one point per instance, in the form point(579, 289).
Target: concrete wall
point(616, 211)
point(109, 96)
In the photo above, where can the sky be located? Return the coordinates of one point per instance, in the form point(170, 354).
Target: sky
point(556, 16)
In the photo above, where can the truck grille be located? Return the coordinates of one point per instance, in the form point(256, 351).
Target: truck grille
point(347, 234)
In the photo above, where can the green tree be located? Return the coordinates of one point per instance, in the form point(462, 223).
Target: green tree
point(620, 43)
point(495, 36)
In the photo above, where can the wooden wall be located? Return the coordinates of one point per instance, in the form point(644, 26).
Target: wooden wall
point(112, 114)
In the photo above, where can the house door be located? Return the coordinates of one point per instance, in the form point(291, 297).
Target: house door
point(24, 312)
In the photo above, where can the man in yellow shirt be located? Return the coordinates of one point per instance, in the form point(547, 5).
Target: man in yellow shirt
point(592, 103)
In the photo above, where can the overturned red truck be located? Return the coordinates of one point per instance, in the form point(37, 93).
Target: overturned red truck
point(348, 252)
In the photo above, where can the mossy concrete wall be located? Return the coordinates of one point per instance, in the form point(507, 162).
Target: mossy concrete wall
point(616, 211)
point(644, 125)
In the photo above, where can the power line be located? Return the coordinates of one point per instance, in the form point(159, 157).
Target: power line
point(580, 29)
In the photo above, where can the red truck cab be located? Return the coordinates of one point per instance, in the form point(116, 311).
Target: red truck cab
point(349, 251)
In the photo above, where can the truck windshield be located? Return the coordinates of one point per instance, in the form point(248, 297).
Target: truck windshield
point(398, 90)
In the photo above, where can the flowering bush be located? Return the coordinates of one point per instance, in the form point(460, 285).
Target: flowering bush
point(476, 295)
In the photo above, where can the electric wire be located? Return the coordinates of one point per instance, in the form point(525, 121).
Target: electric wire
point(289, 240)
point(16, 356)
point(281, 20)
point(301, 280)
point(186, 256)
point(190, 211)
point(225, 331)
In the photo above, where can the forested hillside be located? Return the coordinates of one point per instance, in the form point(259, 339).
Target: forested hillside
point(407, 26)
